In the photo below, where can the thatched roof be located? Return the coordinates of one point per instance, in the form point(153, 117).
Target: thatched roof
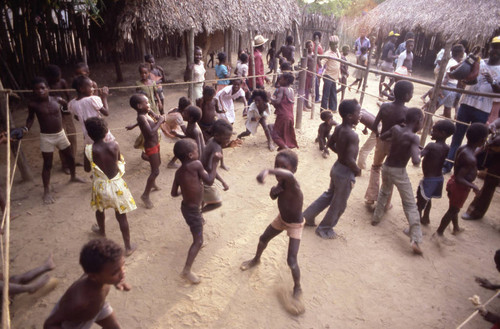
point(472, 20)
point(158, 17)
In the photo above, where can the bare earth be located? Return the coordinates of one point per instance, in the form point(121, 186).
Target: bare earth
point(367, 278)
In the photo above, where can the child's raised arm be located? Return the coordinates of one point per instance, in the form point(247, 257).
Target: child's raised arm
point(284, 174)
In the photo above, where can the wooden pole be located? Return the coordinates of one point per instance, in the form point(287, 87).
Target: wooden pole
point(191, 61)
point(434, 100)
point(365, 77)
point(6, 249)
point(301, 92)
point(315, 77)
point(229, 43)
point(252, 61)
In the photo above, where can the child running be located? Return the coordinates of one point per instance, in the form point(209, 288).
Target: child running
point(84, 303)
point(359, 73)
point(345, 143)
point(324, 131)
point(189, 177)
point(283, 132)
point(290, 200)
point(405, 145)
point(109, 190)
point(257, 114)
point(461, 182)
point(149, 130)
point(433, 157)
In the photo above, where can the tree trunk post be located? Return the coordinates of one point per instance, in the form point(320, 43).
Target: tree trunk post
point(252, 61)
point(190, 57)
point(315, 77)
point(302, 87)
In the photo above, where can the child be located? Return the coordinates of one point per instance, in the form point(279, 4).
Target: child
point(192, 115)
point(222, 132)
point(290, 200)
point(461, 182)
point(310, 73)
point(83, 69)
point(359, 73)
point(222, 72)
point(390, 114)
point(288, 50)
point(48, 112)
point(324, 131)
point(433, 157)
point(367, 119)
point(404, 64)
point(211, 60)
point(157, 74)
point(283, 132)
point(257, 114)
point(197, 69)
point(209, 108)
point(86, 105)
point(226, 97)
point(147, 87)
point(345, 143)
point(405, 145)
point(85, 300)
point(270, 56)
point(53, 76)
point(242, 66)
point(344, 72)
point(149, 130)
point(109, 190)
point(189, 177)
point(174, 124)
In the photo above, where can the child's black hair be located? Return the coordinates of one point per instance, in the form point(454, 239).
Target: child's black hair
point(52, 71)
point(148, 57)
point(414, 115)
point(96, 127)
point(193, 113)
point(221, 57)
point(326, 115)
point(81, 65)
point(143, 66)
point(476, 132)
point(98, 252)
point(135, 99)
point(348, 106)
point(79, 81)
point(346, 48)
point(457, 49)
point(183, 147)
point(445, 126)
point(196, 48)
point(289, 156)
point(208, 91)
point(289, 78)
point(317, 33)
point(260, 93)
point(289, 39)
point(363, 49)
point(221, 126)
point(401, 88)
point(285, 66)
point(308, 42)
point(183, 103)
point(38, 80)
point(243, 58)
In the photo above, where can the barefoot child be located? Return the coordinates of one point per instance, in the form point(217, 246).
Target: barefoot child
point(283, 132)
point(433, 157)
point(109, 190)
point(359, 73)
point(52, 135)
point(209, 108)
point(345, 143)
point(222, 132)
point(290, 199)
point(189, 177)
point(147, 87)
point(174, 124)
point(149, 130)
point(344, 72)
point(222, 71)
point(324, 131)
point(461, 182)
point(85, 300)
point(192, 115)
point(258, 112)
point(405, 145)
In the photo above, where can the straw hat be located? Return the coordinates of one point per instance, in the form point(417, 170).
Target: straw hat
point(259, 40)
point(392, 33)
point(496, 39)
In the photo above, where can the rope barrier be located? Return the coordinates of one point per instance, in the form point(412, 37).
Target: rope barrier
point(477, 311)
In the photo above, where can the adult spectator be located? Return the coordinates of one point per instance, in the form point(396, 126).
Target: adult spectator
point(259, 42)
point(331, 74)
point(388, 57)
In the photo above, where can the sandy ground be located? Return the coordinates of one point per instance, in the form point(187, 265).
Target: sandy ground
point(367, 278)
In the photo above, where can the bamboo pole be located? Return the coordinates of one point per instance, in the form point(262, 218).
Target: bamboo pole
point(315, 77)
point(191, 61)
point(302, 87)
point(252, 60)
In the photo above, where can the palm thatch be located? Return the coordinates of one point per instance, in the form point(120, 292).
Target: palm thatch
point(159, 17)
point(454, 20)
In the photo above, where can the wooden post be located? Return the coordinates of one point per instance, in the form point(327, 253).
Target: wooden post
point(240, 42)
point(365, 78)
point(315, 77)
point(142, 44)
point(252, 61)
point(301, 92)
point(229, 43)
point(190, 57)
point(434, 100)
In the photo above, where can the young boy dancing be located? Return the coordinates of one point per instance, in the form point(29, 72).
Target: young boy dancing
point(324, 131)
point(84, 303)
point(290, 200)
point(149, 130)
point(433, 157)
point(189, 177)
point(192, 114)
point(405, 145)
point(461, 182)
point(345, 143)
point(109, 190)
point(209, 108)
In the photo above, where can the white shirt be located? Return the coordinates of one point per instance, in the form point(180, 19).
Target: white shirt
point(241, 69)
point(199, 72)
point(451, 63)
point(479, 102)
point(87, 107)
point(226, 99)
point(253, 113)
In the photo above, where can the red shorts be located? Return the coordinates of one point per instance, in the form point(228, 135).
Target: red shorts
point(152, 150)
point(457, 193)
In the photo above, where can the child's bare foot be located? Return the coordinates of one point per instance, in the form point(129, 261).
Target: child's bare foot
point(123, 286)
point(191, 277)
point(297, 292)
point(97, 230)
point(425, 221)
point(271, 147)
point(77, 179)
point(39, 282)
point(49, 263)
point(147, 201)
point(249, 264)
point(457, 231)
point(326, 155)
point(48, 198)
point(416, 248)
point(130, 251)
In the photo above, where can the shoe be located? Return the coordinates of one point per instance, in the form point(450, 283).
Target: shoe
point(466, 216)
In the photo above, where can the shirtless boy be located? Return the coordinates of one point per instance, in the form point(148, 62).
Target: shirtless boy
point(390, 114)
point(324, 131)
point(405, 145)
point(85, 300)
point(109, 190)
point(222, 131)
point(48, 112)
point(189, 177)
point(192, 114)
point(345, 143)
point(290, 200)
point(149, 129)
point(288, 50)
point(461, 182)
point(209, 109)
point(433, 157)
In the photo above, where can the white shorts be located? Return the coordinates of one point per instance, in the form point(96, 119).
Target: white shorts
point(49, 142)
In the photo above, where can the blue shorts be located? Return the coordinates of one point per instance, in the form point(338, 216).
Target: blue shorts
point(431, 187)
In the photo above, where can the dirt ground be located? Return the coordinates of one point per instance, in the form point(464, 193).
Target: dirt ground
point(366, 278)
